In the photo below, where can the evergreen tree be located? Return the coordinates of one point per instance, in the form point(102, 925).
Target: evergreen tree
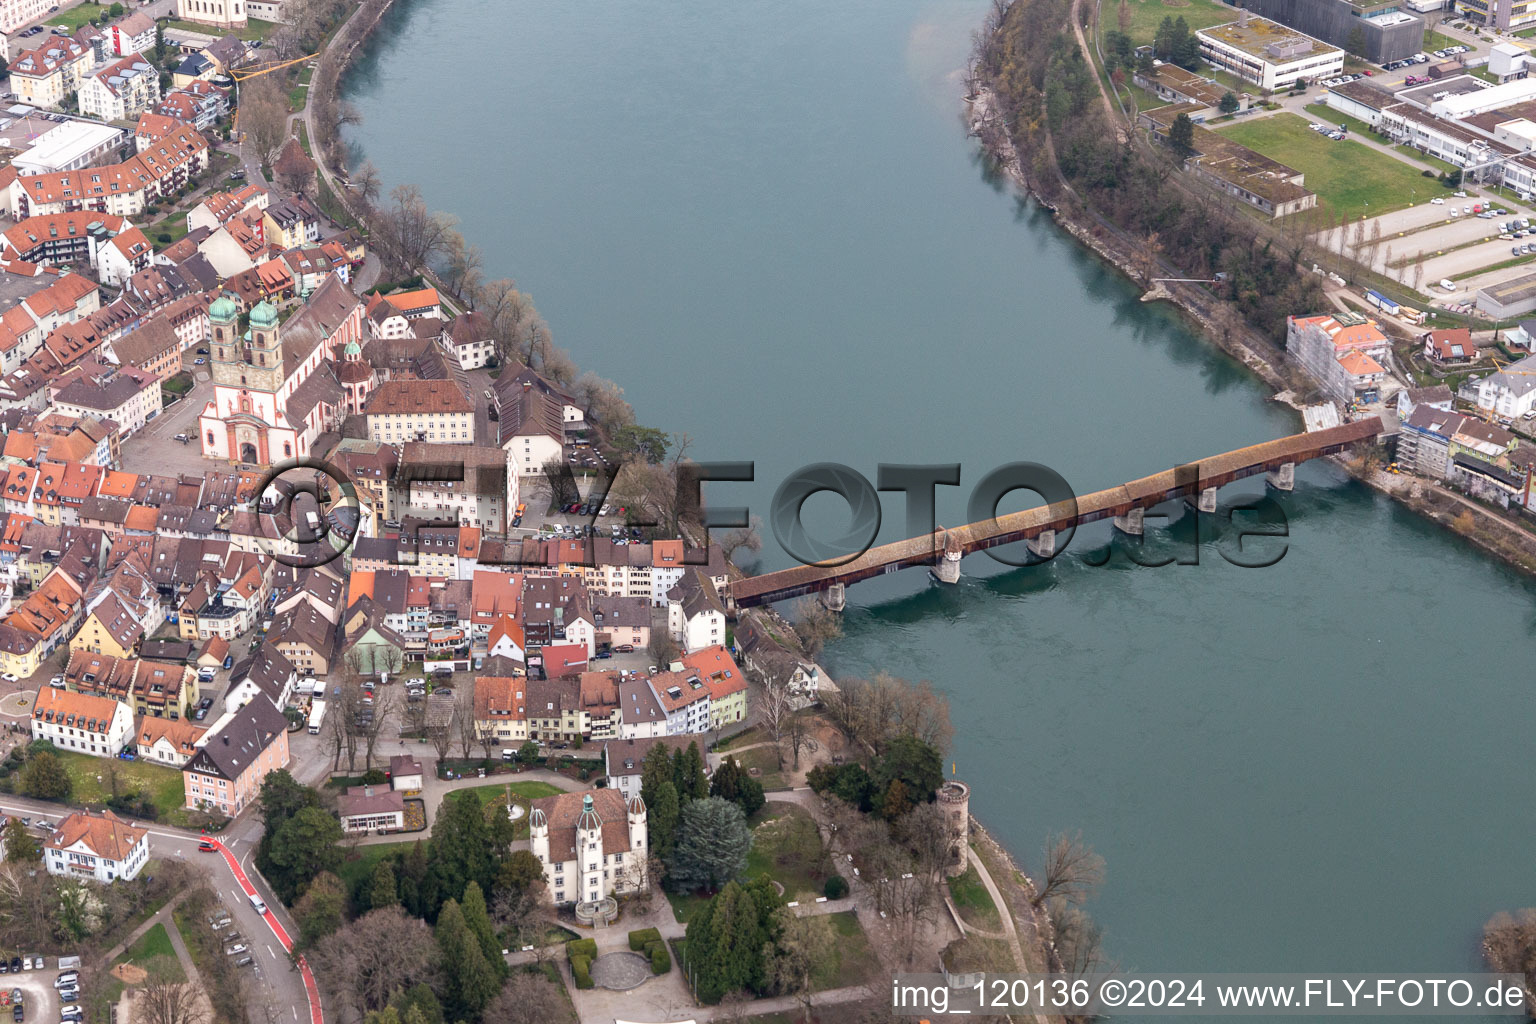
point(1144, 63)
point(478, 920)
point(1186, 53)
point(688, 774)
point(461, 851)
point(1162, 42)
point(321, 910)
point(661, 816)
point(300, 847)
point(894, 802)
point(918, 764)
point(654, 770)
point(383, 890)
point(469, 982)
point(1181, 136)
point(712, 844)
point(727, 938)
point(1228, 104)
point(412, 880)
point(20, 847)
point(45, 778)
point(419, 1000)
point(731, 782)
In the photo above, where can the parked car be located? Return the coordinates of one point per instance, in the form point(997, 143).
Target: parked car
point(68, 979)
point(236, 950)
point(245, 961)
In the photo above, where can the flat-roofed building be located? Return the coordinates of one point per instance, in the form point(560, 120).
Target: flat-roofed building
point(71, 146)
point(1254, 178)
point(1386, 31)
point(1267, 53)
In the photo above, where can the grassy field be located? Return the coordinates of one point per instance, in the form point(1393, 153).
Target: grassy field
point(855, 963)
point(153, 944)
point(1348, 176)
point(77, 16)
point(93, 785)
point(788, 849)
point(522, 793)
point(973, 901)
point(254, 28)
point(1146, 15)
point(1437, 41)
point(766, 761)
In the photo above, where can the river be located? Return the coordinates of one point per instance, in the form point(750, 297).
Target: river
point(766, 222)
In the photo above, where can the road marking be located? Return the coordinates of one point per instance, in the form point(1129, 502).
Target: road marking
point(270, 953)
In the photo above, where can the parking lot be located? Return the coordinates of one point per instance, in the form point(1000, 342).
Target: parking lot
point(39, 999)
point(1450, 246)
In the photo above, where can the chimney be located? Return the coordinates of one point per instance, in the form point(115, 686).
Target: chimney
point(527, 385)
point(1242, 18)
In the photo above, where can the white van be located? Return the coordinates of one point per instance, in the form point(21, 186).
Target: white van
point(1448, 285)
point(261, 908)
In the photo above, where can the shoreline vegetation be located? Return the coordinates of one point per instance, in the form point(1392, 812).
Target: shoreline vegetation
point(1037, 105)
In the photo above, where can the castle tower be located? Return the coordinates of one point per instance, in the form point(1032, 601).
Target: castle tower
point(358, 377)
point(254, 362)
point(955, 798)
point(637, 835)
point(538, 838)
point(589, 851)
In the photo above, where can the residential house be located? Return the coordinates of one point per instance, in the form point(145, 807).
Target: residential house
point(1451, 346)
point(101, 847)
point(405, 775)
point(264, 673)
point(131, 35)
point(166, 742)
point(695, 615)
point(45, 75)
point(421, 410)
point(243, 748)
point(120, 91)
point(98, 726)
point(624, 760)
point(306, 638)
point(1511, 392)
point(726, 682)
point(501, 711)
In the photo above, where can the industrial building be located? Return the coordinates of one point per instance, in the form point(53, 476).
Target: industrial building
point(1387, 32)
point(1267, 53)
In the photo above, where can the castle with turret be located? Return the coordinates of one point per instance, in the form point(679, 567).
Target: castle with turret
point(592, 845)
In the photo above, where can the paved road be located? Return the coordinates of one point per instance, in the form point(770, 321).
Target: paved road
point(280, 984)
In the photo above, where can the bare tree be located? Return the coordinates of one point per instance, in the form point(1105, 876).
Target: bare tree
point(366, 183)
point(797, 734)
point(264, 117)
point(441, 734)
point(662, 648)
point(527, 998)
point(913, 901)
point(772, 699)
point(747, 538)
point(383, 951)
point(385, 702)
point(815, 624)
point(464, 718)
point(164, 999)
point(412, 235)
point(927, 833)
point(804, 943)
point(1072, 870)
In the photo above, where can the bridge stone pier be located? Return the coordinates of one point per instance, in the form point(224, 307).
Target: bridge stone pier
point(1204, 501)
point(1282, 478)
point(1043, 546)
point(1133, 522)
point(835, 597)
point(948, 568)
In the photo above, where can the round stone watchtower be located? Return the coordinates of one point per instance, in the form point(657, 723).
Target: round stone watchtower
point(955, 797)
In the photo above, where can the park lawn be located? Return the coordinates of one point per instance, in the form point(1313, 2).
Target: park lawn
point(973, 901)
point(753, 735)
point(255, 28)
point(161, 782)
point(854, 963)
point(766, 761)
point(1350, 178)
point(296, 98)
point(1147, 15)
point(685, 905)
point(152, 944)
point(77, 16)
point(174, 227)
point(1438, 41)
point(788, 849)
point(355, 869)
point(522, 793)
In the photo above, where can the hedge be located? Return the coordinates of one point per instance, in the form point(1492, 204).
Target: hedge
point(661, 960)
point(641, 938)
point(581, 970)
point(581, 947)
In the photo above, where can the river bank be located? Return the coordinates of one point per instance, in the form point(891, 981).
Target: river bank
point(1217, 322)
